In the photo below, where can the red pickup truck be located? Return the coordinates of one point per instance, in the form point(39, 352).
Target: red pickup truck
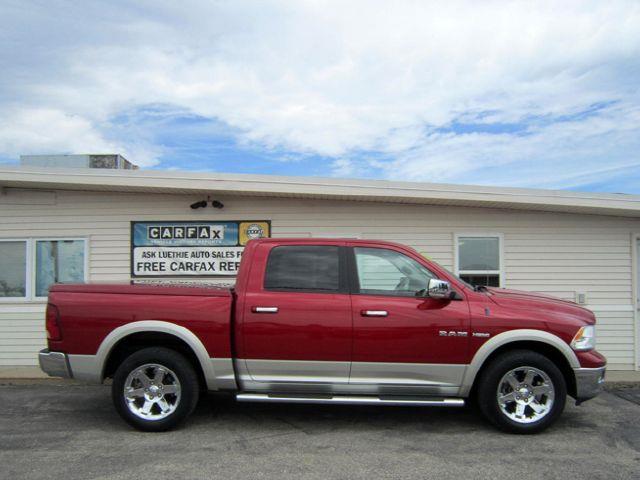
point(327, 321)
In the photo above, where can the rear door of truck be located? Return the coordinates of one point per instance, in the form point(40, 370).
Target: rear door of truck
point(296, 316)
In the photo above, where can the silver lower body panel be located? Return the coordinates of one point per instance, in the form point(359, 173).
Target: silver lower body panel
point(302, 377)
point(408, 374)
point(293, 371)
point(345, 378)
point(86, 368)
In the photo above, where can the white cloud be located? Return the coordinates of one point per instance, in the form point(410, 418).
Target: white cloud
point(338, 78)
point(27, 130)
point(37, 130)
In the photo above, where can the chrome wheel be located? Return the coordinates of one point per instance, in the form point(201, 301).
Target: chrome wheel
point(525, 394)
point(152, 391)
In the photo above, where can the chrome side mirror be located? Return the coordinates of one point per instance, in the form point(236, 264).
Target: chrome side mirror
point(440, 289)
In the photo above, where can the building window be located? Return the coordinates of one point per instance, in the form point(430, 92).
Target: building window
point(303, 268)
point(479, 259)
point(13, 269)
point(29, 267)
point(58, 261)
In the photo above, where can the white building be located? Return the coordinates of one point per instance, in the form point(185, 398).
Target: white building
point(76, 224)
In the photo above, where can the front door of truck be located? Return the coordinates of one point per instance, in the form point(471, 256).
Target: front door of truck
point(403, 343)
point(296, 326)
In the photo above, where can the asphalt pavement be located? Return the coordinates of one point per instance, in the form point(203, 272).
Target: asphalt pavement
point(58, 430)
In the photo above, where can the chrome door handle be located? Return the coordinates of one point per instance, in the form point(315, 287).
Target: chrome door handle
point(264, 309)
point(374, 313)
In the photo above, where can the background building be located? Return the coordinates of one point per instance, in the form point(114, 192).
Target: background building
point(60, 224)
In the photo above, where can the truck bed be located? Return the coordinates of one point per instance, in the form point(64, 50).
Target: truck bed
point(89, 312)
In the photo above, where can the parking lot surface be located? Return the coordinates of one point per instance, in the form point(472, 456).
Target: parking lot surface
point(58, 430)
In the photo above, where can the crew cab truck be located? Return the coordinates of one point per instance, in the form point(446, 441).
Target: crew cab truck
point(327, 321)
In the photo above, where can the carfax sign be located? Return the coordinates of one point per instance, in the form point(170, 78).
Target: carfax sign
point(197, 248)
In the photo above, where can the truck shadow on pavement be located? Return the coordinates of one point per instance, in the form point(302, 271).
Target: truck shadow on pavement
point(74, 407)
point(311, 419)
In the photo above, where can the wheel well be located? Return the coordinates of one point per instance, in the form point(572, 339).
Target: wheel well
point(549, 351)
point(138, 341)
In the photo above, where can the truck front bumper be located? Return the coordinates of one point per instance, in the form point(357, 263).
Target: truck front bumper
point(589, 383)
point(54, 364)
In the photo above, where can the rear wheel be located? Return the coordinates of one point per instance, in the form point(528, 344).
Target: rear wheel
point(155, 389)
point(522, 392)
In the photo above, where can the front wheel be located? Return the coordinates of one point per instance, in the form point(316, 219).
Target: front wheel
point(155, 389)
point(522, 392)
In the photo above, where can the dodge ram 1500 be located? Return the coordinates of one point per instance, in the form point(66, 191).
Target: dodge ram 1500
point(327, 321)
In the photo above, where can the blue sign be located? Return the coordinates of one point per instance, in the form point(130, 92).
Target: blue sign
point(185, 234)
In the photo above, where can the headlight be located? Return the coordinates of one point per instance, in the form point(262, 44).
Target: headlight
point(585, 339)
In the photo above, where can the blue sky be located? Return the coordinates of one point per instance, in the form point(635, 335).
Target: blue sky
point(496, 93)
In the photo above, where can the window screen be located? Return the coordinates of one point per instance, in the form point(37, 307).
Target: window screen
point(13, 269)
point(304, 267)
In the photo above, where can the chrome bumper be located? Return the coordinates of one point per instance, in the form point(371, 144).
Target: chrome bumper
point(54, 364)
point(589, 383)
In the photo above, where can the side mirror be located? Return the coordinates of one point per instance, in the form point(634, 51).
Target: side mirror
point(439, 289)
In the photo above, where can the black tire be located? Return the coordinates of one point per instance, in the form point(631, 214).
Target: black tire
point(181, 405)
point(491, 378)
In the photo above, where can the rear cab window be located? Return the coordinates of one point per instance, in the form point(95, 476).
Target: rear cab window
point(306, 268)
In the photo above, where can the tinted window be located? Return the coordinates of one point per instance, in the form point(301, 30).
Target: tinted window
point(303, 268)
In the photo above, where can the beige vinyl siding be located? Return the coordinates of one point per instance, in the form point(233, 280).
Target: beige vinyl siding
point(554, 253)
point(22, 333)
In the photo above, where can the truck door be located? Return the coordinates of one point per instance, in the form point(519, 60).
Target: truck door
point(296, 325)
point(403, 343)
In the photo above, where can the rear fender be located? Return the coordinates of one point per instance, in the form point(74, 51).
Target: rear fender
point(218, 373)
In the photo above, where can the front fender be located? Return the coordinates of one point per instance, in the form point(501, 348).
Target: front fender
point(512, 336)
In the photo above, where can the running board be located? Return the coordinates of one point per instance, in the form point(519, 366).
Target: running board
point(351, 400)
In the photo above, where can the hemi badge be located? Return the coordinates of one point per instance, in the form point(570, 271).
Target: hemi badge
point(480, 334)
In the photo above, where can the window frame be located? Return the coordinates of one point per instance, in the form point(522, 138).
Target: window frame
point(354, 277)
point(30, 266)
point(456, 255)
point(343, 286)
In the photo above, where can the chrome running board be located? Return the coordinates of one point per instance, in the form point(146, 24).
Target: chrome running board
point(351, 400)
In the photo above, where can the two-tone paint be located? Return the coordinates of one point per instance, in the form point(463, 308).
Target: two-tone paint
point(252, 339)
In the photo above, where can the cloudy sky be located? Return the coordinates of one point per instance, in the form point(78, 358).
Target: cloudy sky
point(535, 94)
